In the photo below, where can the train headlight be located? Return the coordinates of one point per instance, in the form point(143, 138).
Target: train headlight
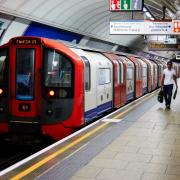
point(51, 93)
point(1, 91)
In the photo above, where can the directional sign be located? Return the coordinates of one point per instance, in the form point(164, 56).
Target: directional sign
point(126, 27)
point(126, 5)
point(157, 27)
point(142, 27)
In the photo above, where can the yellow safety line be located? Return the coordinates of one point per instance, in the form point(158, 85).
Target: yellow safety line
point(130, 108)
point(45, 160)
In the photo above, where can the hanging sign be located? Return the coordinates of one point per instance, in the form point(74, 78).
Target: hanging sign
point(126, 5)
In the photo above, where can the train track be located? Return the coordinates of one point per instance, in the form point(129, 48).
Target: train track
point(11, 153)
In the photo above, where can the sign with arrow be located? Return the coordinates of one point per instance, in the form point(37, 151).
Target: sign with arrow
point(141, 27)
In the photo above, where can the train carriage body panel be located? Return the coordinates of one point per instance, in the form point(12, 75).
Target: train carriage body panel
point(104, 82)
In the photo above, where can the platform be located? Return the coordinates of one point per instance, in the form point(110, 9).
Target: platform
point(139, 142)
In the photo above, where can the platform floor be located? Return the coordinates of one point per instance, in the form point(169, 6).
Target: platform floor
point(147, 150)
point(142, 143)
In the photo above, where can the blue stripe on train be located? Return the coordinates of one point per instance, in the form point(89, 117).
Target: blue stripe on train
point(129, 97)
point(145, 90)
point(93, 113)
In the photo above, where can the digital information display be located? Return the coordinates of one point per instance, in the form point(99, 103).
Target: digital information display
point(156, 46)
point(126, 5)
point(26, 41)
point(141, 27)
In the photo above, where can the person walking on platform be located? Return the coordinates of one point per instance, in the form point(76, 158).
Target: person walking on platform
point(169, 77)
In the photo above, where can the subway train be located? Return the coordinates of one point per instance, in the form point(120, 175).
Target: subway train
point(51, 88)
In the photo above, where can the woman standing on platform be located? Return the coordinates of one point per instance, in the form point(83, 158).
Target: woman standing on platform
point(169, 77)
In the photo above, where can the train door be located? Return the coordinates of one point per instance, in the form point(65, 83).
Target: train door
point(25, 84)
point(104, 82)
point(152, 76)
point(130, 82)
point(116, 81)
point(88, 102)
point(156, 75)
point(122, 84)
point(104, 79)
point(144, 76)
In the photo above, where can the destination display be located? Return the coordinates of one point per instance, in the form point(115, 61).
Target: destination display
point(140, 27)
point(126, 5)
point(26, 41)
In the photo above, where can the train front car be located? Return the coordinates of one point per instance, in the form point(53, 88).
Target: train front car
point(44, 90)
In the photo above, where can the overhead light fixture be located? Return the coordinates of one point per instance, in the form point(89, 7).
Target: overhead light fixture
point(148, 15)
point(144, 9)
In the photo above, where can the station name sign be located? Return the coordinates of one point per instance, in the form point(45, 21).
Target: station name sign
point(26, 41)
point(126, 5)
point(156, 46)
point(141, 27)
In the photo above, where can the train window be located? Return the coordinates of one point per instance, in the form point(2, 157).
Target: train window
point(3, 64)
point(122, 72)
point(58, 73)
point(25, 73)
point(138, 72)
point(144, 72)
point(118, 73)
point(87, 73)
point(104, 76)
point(129, 75)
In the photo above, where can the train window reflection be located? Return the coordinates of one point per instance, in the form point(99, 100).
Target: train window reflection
point(58, 73)
point(144, 72)
point(104, 76)
point(129, 74)
point(58, 70)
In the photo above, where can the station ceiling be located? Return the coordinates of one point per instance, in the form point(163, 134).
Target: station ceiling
point(87, 17)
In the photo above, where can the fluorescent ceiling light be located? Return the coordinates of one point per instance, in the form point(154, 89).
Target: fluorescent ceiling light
point(144, 9)
point(148, 14)
point(151, 18)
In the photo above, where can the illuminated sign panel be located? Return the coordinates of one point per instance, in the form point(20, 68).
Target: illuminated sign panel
point(140, 27)
point(126, 5)
point(156, 46)
point(176, 26)
point(26, 41)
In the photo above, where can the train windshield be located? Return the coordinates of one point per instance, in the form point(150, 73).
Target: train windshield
point(58, 73)
point(58, 70)
point(3, 63)
point(25, 73)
